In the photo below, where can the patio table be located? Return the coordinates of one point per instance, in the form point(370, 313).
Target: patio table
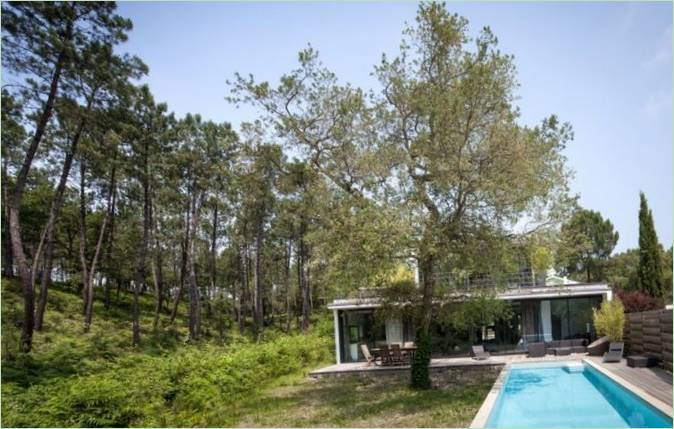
point(410, 350)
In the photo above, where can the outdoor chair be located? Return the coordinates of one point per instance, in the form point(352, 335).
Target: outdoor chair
point(598, 347)
point(399, 358)
point(536, 349)
point(386, 359)
point(368, 356)
point(479, 353)
point(614, 353)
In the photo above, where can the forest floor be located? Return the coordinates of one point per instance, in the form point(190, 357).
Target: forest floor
point(94, 379)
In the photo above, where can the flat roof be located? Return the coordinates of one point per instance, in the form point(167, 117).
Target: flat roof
point(538, 292)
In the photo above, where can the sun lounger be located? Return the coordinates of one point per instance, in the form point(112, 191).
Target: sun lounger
point(614, 353)
point(479, 353)
point(366, 352)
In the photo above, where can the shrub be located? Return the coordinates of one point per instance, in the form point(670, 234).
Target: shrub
point(609, 320)
point(636, 301)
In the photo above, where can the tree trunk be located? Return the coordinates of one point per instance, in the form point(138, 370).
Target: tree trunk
point(48, 236)
point(183, 266)
point(244, 288)
point(141, 271)
point(158, 288)
point(420, 377)
point(110, 241)
point(17, 197)
point(303, 284)
point(195, 307)
point(213, 267)
point(92, 270)
point(286, 275)
point(7, 257)
point(83, 236)
point(258, 311)
point(89, 285)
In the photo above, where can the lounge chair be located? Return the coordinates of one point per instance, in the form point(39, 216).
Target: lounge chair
point(479, 353)
point(399, 358)
point(368, 356)
point(386, 359)
point(614, 353)
point(598, 347)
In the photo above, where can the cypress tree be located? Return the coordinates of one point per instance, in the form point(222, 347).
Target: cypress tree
point(650, 266)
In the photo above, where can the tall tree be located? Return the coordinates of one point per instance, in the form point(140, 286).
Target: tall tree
point(41, 39)
point(13, 138)
point(442, 144)
point(100, 78)
point(586, 243)
point(649, 272)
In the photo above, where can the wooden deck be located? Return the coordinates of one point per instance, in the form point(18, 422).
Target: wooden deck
point(655, 381)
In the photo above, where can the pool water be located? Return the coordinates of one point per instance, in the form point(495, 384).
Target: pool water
point(572, 395)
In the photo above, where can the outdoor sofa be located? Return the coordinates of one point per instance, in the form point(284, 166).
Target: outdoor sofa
point(557, 347)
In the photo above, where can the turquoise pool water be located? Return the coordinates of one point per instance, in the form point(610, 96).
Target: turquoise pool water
point(571, 395)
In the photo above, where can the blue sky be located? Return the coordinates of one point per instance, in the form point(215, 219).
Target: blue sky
point(604, 67)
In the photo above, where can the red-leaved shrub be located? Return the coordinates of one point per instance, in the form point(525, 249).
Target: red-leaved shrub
point(635, 301)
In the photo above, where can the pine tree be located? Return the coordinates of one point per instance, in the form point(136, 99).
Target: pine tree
point(650, 266)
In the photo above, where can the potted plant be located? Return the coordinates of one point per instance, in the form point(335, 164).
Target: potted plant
point(609, 320)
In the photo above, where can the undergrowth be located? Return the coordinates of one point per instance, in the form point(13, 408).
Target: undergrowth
point(99, 379)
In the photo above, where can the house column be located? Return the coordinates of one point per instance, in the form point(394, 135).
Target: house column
point(546, 320)
point(337, 345)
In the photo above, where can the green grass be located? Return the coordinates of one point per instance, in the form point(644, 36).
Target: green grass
point(73, 379)
point(372, 401)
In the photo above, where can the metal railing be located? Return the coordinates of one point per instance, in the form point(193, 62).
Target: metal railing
point(517, 280)
point(467, 282)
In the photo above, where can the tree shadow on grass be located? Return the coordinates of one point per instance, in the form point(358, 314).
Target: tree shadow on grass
point(352, 401)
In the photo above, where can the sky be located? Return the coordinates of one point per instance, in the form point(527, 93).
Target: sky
point(604, 67)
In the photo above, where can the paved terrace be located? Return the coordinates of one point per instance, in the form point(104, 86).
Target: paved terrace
point(497, 360)
point(654, 381)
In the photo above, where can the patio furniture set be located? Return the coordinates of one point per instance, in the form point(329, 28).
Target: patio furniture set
point(389, 354)
point(402, 354)
point(611, 351)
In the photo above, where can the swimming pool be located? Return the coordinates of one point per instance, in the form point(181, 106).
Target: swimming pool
point(569, 394)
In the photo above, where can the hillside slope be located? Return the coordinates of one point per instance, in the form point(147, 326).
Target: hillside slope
point(100, 379)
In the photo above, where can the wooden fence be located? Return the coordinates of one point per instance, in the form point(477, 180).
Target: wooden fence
point(650, 332)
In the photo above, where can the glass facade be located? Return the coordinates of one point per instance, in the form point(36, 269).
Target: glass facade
point(572, 317)
point(532, 320)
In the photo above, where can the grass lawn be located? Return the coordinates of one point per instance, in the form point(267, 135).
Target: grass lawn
point(371, 401)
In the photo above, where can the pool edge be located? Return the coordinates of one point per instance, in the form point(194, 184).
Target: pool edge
point(641, 393)
point(482, 416)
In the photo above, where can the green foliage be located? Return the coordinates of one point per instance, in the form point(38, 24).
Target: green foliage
point(586, 243)
point(475, 311)
point(422, 358)
point(609, 319)
point(621, 269)
point(649, 272)
point(98, 380)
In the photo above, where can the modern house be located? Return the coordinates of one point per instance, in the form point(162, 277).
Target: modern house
point(552, 308)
